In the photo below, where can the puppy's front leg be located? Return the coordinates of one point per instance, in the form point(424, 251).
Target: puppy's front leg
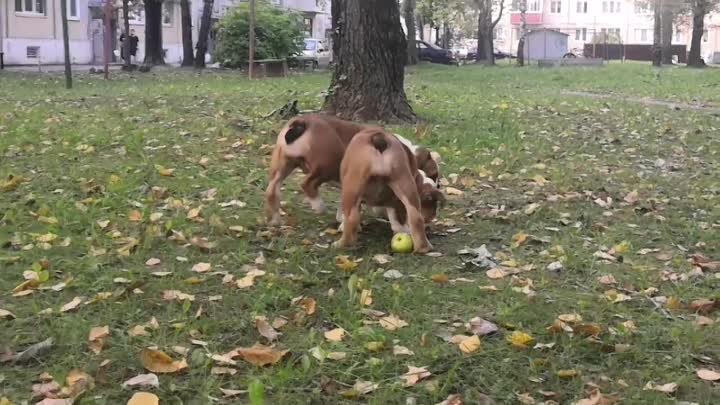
point(407, 192)
point(395, 224)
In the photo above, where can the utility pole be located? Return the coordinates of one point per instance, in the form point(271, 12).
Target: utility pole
point(107, 40)
point(66, 44)
point(251, 35)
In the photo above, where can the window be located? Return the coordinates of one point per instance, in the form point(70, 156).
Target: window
point(72, 9)
point(499, 33)
point(582, 7)
point(32, 52)
point(555, 6)
point(611, 7)
point(678, 36)
point(307, 27)
point(167, 13)
point(705, 35)
point(581, 34)
point(534, 5)
point(136, 12)
point(30, 6)
point(642, 7)
point(643, 35)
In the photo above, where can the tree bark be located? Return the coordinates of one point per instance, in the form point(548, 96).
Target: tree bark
point(421, 27)
point(409, 12)
point(447, 33)
point(66, 44)
point(480, 54)
point(251, 41)
point(667, 33)
point(657, 31)
point(523, 34)
point(368, 81)
point(695, 56)
point(490, 46)
point(126, 29)
point(153, 33)
point(186, 26)
point(205, 21)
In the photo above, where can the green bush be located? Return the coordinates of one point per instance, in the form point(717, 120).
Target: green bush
point(278, 33)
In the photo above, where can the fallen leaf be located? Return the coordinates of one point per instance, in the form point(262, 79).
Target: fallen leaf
point(481, 327)
point(615, 296)
point(153, 261)
point(307, 304)
point(708, 375)
point(344, 263)
point(704, 306)
point(76, 383)
point(144, 398)
point(470, 345)
point(587, 329)
point(5, 314)
point(496, 273)
point(382, 259)
point(392, 322)
point(143, 380)
point(402, 351)
point(175, 295)
point(366, 298)
point(519, 239)
point(223, 371)
point(570, 318)
point(632, 197)
point(530, 209)
point(138, 330)
point(456, 399)
point(336, 355)
point(56, 401)
point(266, 330)
point(47, 388)
point(392, 275)
point(440, 278)
point(335, 335)
point(453, 191)
point(414, 375)
point(96, 338)
point(228, 393)
point(365, 387)
point(567, 374)
point(202, 267)
point(703, 321)
point(520, 339)
point(163, 171)
point(72, 305)
point(539, 180)
point(608, 279)
point(135, 216)
point(159, 362)
point(668, 388)
point(260, 355)
point(525, 398)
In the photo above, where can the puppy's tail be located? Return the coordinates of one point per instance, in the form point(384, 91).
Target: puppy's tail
point(379, 142)
point(295, 131)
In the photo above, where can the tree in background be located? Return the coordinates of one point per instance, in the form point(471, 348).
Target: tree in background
point(66, 44)
point(186, 26)
point(126, 30)
point(409, 16)
point(522, 6)
point(370, 49)
point(486, 28)
point(278, 33)
point(153, 33)
point(205, 22)
point(700, 8)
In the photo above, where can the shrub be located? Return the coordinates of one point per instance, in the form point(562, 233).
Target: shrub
point(278, 33)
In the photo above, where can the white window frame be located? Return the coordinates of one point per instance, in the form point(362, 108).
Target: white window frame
point(643, 35)
point(582, 7)
point(32, 12)
point(534, 6)
point(70, 16)
point(165, 5)
point(555, 6)
point(605, 7)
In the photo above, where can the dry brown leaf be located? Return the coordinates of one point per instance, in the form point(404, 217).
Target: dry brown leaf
point(96, 338)
point(703, 321)
point(608, 279)
point(632, 197)
point(228, 393)
point(266, 330)
point(72, 305)
point(708, 375)
point(392, 322)
point(143, 380)
point(335, 335)
point(308, 304)
point(587, 329)
point(496, 273)
point(570, 318)
point(153, 261)
point(481, 327)
point(175, 295)
point(402, 351)
point(519, 239)
point(382, 259)
point(138, 330)
point(144, 398)
point(525, 398)
point(454, 399)
point(159, 362)
point(223, 371)
point(453, 191)
point(56, 401)
point(135, 216)
point(470, 344)
point(440, 278)
point(704, 306)
point(260, 355)
point(5, 314)
point(668, 388)
point(366, 298)
point(202, 267)
point(414, 375)
point(76, 383)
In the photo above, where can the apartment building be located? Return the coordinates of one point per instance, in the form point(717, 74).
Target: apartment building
point(627, 21)
point(31, 30)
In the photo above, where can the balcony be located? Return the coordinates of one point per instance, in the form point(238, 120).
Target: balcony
point(530, 18)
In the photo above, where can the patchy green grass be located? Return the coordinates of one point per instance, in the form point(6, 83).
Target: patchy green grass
point(534, 167)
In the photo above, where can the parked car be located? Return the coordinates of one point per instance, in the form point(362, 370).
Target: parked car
point(498, 55)
point(317, 52)
point(435, 54)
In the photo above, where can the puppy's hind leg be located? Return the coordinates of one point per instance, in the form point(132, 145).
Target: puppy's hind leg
point(281, 168)
point(311, 187)
point(407, 192)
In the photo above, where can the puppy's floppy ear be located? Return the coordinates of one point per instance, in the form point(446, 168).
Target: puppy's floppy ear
point(438, 196)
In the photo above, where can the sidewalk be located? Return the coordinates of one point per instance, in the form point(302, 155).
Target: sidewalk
point(58, 68)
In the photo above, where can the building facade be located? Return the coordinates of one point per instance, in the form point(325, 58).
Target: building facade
point(31, 30)
point(585, 21)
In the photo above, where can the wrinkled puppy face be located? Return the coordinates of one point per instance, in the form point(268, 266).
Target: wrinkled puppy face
point(431, 199)
point(427, 163)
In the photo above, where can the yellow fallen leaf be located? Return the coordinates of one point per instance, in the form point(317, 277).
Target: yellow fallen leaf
point(260, 355)
point(568, 373)
point(164, 171)
point(620, 249)
point(668, 388)
point(135, 216)
point(72, 305)
point(708, 375)
point(344, 263)
point(194, 213)
point(144, 398)
point(570, 318)
point(48, 220)
point(440, 278)
point(5, 314)
point(470, 345)
point(496, 273)
point(673, 303)
point(202, 267)
point(520, 339)
point(414, 375)
point(175, 295)
point(103, 223)
point(335, 335)
point(539, 180)
point(159, 362)
point(453, 191)
point(77, 382)
point(11, 183)
point(138, 330)
point(308, 304)
point(519, 239)
point(366, 298)
point(46, 238)
point(96, 338)
point(392, 322)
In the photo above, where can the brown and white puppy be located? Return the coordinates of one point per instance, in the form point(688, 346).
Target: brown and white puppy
point(315, 143)
point(380, 171)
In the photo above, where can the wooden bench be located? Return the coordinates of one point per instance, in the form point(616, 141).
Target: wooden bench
point(270, 68)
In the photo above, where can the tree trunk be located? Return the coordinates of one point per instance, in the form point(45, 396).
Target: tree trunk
point(153, 33)
point(186, 25)
point(251, 40)
point(695, 57)
point(409, 12)
point(203, 34)
point(421, 27)
point(126, 29)
point(490, 46)
point(523, 33)
point(667, 34)
point(446, 36)
point(657, 31)
point(66, 44)
point(480, 55)
point(368, 81)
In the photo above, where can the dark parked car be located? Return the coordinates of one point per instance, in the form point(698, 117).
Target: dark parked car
point(498, 55)
point(435, 54)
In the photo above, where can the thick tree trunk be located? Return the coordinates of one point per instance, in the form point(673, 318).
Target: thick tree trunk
point(667, 33)
point(447, 33)
point(186, 26)
point(523, 33)
point(695, 57)
point(126, 29)
point(368, 81)
point(409, 12)
point(490, 46)
point(66, 44)
point(203, 34)
point(480, 55)
point(153, 33)
point(657, 31)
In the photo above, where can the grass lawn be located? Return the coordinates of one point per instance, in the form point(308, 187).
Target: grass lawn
point(592, 209)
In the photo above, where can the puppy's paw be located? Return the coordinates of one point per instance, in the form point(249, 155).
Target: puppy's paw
point(275, 220)
point(422, 249)
point(317, 205)
point(341, 228)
